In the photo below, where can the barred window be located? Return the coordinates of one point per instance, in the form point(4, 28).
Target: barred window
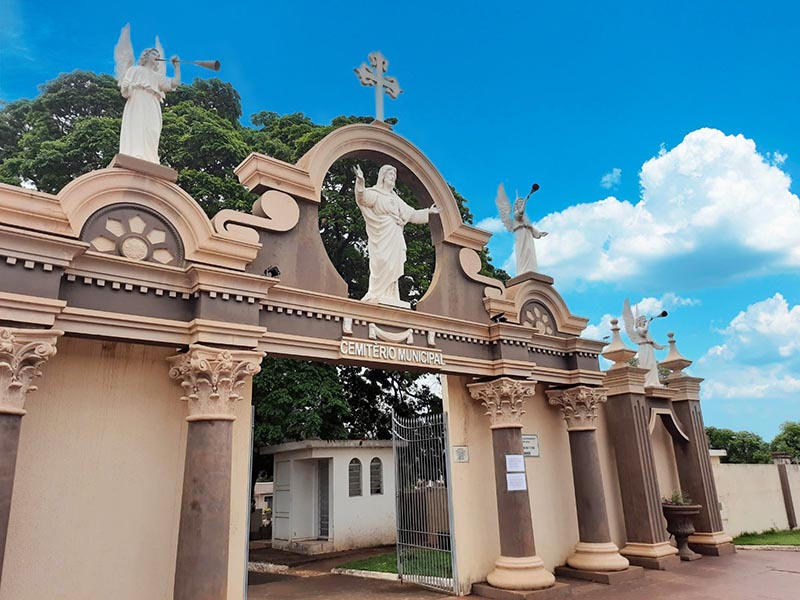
point(376, 476)
point(354, 477)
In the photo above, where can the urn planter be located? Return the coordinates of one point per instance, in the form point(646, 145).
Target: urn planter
point(680, 523)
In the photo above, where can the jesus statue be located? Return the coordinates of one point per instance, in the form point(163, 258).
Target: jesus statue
point(385, 215)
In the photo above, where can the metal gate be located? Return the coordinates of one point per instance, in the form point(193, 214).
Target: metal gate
point(425, 553)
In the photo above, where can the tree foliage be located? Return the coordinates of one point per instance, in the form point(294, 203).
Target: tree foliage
point(72, 128)
point(788, 440)
point(743, 447)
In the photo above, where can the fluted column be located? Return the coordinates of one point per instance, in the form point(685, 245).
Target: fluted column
point(23, 352)
point(212, 381)
point(595, 551)
point(517, 567)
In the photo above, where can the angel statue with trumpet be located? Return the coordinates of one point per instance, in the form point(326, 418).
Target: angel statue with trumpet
point(638, 329)
point(518, 223)
point(143, 85)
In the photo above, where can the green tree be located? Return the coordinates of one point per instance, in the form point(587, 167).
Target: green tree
point(788, 440)
point(743, 447)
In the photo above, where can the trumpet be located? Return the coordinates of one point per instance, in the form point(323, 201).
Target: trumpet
point(206, 64)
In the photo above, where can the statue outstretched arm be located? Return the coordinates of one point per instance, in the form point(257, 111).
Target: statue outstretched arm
point(362, 197)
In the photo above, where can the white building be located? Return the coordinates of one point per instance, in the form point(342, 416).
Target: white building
point(331, 496)
point(263, 493)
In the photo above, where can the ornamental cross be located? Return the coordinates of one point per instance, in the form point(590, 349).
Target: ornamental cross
point(375, 77)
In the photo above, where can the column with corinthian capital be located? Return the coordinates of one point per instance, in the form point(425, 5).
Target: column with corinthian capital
point(22, 354)
point(517, 567)
point(212, 381)
point(595, 556)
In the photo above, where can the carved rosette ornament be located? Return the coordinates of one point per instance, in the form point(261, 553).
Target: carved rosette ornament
point(503, 399)
point(578, 406)
point(22, 354)
point(212, 380)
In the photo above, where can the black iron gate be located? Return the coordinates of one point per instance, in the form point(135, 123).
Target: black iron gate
point(425, 552)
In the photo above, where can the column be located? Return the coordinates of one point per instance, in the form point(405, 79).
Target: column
point(212, 381)
point(517, 567)
point(692, 458)
point(647, 542)
point(595, 551)
point(22, 354)
point(781, 459)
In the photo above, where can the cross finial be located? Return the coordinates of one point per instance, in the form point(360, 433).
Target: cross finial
point(375, 77)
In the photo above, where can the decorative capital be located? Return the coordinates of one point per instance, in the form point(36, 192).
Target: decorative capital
point(578, 406)
point(212, 379)
point(503, 399)
point(22, 354)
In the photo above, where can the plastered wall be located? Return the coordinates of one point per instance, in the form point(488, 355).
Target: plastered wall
point(751, 496)
point(664, 458)
point(97, 493)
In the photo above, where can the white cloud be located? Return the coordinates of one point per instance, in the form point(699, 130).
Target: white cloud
point(760, 356)
point(611, 179)
point(491, 224)
point(712, 210)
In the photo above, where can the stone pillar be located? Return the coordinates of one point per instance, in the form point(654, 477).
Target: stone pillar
point(517, 567)
point(212, 380)
point(595, 551)
point(693, 460)
point(22, 354)
point(647, 542)
point(782, 459)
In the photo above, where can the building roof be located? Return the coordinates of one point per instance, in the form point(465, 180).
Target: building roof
point(323, 444)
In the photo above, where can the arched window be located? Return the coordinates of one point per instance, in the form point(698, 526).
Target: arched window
point(376, 476)
point(354, 477)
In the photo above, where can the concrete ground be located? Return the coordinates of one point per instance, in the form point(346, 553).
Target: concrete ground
point(747, 575)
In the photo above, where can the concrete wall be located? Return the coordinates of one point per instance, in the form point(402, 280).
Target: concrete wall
point(751, 496)
point(664, 457)
point(367, 520)
point(98, 483)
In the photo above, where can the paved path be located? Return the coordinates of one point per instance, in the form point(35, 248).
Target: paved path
point(747, 575)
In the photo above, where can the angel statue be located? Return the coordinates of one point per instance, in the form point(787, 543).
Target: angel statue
point(638, 329)
point(143, 85)
point(518, 223)
point(385, 215)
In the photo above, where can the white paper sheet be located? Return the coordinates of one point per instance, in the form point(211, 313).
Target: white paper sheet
point(516, 482)
point(515, 463)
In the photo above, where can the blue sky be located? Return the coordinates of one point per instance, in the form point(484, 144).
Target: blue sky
point(665, 136)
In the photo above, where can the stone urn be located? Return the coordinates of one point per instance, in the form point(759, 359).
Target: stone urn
point(680, 523)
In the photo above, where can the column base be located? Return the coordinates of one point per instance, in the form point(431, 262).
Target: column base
point(606, 577)
point(662, 556)
point(712, 544)
point(520, 573)
point(484, 590)
point(597, 557)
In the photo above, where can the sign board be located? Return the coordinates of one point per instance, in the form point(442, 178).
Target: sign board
point(530, 445)
point(391, 353)
point(516, 482)
point(461, 454)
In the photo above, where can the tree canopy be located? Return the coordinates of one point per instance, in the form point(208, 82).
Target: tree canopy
point(72, 127)
point(743, 447)
point(788, 440)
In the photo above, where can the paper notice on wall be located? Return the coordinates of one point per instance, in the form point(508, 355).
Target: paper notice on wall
point(516, 482)
point(515, 463)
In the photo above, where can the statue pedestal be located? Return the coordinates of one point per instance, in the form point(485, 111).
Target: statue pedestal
point(529, 275)
point(123, 161)
point(394, 303)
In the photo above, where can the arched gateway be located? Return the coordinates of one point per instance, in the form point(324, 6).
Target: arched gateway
point(117, 492)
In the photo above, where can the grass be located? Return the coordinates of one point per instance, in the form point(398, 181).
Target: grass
point(417, 562)
point(787, 537)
